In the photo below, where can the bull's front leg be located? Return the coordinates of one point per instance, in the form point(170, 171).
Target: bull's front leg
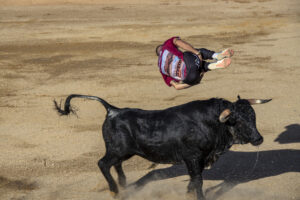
point(195, 167)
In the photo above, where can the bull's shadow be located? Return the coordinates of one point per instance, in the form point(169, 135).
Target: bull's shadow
point(290, 135)
point(234, 168)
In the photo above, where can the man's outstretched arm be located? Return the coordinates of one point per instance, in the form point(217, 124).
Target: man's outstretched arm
point(186, 46)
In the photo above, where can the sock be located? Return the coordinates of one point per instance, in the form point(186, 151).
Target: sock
point(212, 66)
point(215, 56)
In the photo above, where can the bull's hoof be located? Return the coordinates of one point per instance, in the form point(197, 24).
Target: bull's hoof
point(114, 195)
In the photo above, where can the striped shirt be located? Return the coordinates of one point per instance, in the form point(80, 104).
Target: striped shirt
point(172, 65)
point(170, 62)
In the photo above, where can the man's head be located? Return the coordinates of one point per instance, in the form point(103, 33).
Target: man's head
point(157, 50)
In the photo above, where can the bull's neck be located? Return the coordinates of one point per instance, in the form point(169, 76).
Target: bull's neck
point(227, 136)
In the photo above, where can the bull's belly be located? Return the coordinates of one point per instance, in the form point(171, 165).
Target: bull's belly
point(161, 155)
point(166, 146)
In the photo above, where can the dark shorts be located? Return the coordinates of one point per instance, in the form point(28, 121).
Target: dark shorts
point(193, 68)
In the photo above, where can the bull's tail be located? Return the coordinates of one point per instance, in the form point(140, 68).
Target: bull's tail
point(68, 108)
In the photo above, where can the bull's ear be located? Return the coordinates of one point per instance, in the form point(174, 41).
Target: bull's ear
point(224, 116)
point(258, 101)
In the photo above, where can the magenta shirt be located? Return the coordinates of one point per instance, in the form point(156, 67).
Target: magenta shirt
point(170, 47)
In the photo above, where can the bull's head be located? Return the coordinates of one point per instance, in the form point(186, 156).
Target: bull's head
point(241, 121)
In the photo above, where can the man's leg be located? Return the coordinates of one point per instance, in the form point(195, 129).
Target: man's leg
point(208, 54)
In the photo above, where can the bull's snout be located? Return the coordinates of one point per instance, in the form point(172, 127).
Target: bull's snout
point(257, 141)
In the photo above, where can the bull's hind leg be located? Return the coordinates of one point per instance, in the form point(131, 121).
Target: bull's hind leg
point(119, 170)
point(105, 164)
point(121, 175)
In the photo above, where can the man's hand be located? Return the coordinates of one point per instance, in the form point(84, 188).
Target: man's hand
point(179, 86)
point(199, 56)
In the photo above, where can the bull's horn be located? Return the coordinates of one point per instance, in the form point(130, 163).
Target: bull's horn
point(258, 101)
point(224, 116)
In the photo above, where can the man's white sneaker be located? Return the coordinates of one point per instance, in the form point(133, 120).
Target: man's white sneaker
point(227, 53)
point(221, 64)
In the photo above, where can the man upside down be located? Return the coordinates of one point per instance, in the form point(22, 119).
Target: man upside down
point(185, 69)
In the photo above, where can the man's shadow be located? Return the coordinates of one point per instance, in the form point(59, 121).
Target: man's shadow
point(240, 167)
point(290, 135)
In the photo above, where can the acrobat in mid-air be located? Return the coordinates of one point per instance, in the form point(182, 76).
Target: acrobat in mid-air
point(185, 69)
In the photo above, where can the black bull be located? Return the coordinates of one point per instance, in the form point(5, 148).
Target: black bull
point(195, 133)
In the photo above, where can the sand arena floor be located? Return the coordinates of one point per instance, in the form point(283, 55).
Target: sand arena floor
point(50, 49)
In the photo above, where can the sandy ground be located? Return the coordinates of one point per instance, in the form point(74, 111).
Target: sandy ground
point(50, 49)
